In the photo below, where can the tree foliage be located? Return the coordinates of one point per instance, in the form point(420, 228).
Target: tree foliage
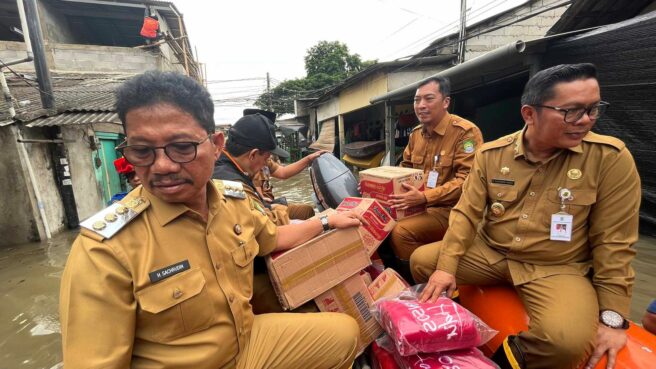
point(326, 64)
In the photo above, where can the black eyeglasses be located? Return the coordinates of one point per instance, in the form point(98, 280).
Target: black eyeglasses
point(144, 156)
point(573, 115)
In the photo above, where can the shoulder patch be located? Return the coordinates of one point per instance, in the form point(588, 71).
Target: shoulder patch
point(500, 142)
point(109, 221)
point(605, 140)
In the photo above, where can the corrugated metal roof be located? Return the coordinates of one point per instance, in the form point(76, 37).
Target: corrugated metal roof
point(91, 96)
point(66, 119)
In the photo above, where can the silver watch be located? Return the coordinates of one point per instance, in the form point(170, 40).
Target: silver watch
point(613, 319)
point(324, 222)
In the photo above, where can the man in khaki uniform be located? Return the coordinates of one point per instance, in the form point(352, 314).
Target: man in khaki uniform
point(164, 277)
point(262, 181)
point(562, 215)
point(262, 178)
point(443, 146)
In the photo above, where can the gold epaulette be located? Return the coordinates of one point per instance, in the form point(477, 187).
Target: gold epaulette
point(500, 142)
point(107, 222)
point(605, 140)
point(232, 189)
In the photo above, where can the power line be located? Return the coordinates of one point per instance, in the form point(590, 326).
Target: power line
point(470, 14)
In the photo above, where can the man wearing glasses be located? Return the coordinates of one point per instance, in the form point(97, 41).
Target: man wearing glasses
point(552, 210)
point(163, 278)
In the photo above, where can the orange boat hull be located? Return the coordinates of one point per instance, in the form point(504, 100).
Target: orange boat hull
point(509, 317)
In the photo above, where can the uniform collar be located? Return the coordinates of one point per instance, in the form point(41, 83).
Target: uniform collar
point(520, 149)
point(440, 128)
point(166, 212)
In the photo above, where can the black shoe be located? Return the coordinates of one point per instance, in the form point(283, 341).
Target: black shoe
point(509, 355)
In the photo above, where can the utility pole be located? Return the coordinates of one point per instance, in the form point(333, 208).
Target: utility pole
point(269, 92)
point(461, 36)
point(40, 63)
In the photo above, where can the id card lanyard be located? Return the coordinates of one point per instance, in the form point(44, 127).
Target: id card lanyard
point(433, 175)
point(562, 222)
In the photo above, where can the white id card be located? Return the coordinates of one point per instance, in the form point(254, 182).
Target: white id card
point(561, 227)
point(432, 179)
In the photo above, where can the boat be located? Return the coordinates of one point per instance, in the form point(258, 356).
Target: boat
point(501, 309)
point(332, 181)
point(363, 149)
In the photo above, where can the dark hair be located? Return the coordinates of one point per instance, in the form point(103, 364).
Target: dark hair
point(155, 87)
point(443, 83)
point(235, 149)
point(539, 88)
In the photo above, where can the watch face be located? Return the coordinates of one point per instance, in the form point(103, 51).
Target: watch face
point(612, 319)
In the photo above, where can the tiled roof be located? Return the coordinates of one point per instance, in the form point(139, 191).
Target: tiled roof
point(79, 99)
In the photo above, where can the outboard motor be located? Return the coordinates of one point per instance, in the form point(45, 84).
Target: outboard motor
point(332, 181)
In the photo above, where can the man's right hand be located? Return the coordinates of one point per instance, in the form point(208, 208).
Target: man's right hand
point(438, 282)
point(345, 219)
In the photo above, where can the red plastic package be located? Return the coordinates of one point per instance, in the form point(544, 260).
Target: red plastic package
point(444, 325)
point(470, 358)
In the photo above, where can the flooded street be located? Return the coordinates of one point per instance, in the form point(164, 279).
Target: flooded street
point(29, 286)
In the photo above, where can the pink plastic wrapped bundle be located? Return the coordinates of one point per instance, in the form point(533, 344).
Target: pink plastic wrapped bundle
point(462, 359)
point(443, 325)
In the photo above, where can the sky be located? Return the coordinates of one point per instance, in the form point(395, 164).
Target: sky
point(240, 41)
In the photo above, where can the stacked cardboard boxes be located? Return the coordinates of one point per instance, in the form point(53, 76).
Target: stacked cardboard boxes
point(302, 273)
point(355, 297)
point(382, 182)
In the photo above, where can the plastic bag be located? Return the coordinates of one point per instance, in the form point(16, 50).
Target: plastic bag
point(470, 358)
point(416, 327)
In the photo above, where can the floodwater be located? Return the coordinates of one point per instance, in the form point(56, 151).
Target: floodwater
point(29, 286)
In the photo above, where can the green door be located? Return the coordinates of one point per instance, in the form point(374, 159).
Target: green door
point(103, 159)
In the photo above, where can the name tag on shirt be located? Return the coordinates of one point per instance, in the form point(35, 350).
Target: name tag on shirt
point(168, 271)
point(432, 179)
point(561, 227)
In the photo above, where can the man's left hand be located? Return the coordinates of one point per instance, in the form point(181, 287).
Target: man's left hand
point(609, 341)
point(410, 198)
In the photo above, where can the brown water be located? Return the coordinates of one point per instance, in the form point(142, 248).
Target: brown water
point(29, 286)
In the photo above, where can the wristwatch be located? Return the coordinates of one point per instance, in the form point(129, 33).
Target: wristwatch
point(324, 222)
point(613, 319)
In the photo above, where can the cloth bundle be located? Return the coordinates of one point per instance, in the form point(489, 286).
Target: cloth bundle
point(470, 358)
point(431, 327)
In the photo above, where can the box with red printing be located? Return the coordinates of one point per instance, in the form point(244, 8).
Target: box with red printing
point(352, 297)
point(380, 221)
point(382, 182)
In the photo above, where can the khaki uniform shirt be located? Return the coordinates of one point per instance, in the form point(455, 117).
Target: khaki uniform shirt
point(114, 315)
point(262, 179)
point(605, 188)
point(454, 140)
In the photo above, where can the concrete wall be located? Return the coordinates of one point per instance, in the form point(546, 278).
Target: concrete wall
point(54, 25)
point(93, 58)
point(12, 50)
point(530, 29)
point(17, 219)
point(41, 160)
point(88, 195)
point(327, 110)
point(357, 96)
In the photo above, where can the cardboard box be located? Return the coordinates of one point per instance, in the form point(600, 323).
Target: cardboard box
point(352, 297)
point(303, 273)
point(388, 284)
point(380, 221)
point(382, 182)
